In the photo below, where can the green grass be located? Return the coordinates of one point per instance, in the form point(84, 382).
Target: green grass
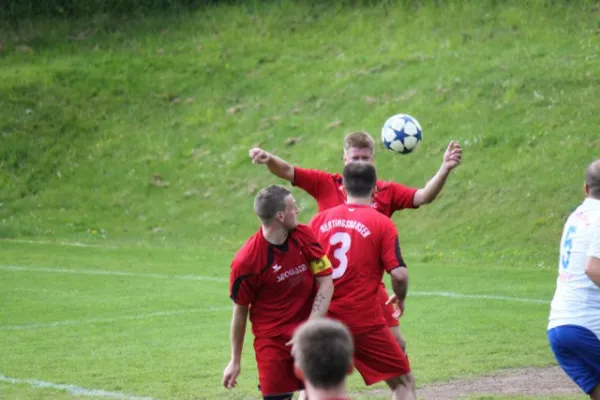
point(152, 335)
point(91, 109)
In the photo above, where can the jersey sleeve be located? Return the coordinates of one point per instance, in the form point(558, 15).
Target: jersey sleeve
point(312, 181)
point(241, 289)
point(391, 255)
point(314, 252)
point(594, 250)
point(402, 196)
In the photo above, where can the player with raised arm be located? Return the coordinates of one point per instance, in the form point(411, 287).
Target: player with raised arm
point(362, 244)
point(328, 190)
point(281, 276)
point(574, 322)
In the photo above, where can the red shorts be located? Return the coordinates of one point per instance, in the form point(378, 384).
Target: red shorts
point(388, 310)
point(275, 366)
point(378, 357)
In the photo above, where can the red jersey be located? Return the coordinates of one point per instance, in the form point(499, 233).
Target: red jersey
point(328, 190)
point(278, 281)
point(361, 244)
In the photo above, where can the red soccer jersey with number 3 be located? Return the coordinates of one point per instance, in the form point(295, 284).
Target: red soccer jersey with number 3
point(361, 244)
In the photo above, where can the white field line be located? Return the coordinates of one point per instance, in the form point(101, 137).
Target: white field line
point(131, 317)
point(477, 296)
point(110, 273)
point(72, 244)
point(216, 279)
point(72, 389)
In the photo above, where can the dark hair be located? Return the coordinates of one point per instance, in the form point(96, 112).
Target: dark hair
point(269, 201)
point(592, 179)
point(359, 178)
point(323, 349)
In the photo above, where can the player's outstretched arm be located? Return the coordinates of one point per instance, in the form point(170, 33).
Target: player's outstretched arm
point(276, 165)
point(238, 330)
point(451, 160)
point(323, 297)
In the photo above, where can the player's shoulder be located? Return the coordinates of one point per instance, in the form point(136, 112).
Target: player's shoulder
point(383, 186)
point(248, 258)
point(372, 215)
point(303, 233)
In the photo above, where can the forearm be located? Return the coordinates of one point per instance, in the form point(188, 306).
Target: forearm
point(400, 283)
point(433, 188)
point(592, 270)
point(322, 299)
point(280, 168)
point(238, 331)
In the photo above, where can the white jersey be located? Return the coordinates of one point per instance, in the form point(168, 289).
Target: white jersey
point(577, 298)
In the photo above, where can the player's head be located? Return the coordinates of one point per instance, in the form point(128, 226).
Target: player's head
point(323, 351)
point(358, 146)
point(360, 179)
point(592, 180)
point(276, 205)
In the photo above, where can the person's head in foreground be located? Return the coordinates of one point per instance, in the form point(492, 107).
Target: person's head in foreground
point(323, 350)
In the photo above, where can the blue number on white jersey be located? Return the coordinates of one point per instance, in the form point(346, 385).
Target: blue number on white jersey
point(567, 246)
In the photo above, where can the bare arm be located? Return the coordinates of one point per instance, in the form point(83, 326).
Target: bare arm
point(237, 333)
point(323, 297)
point(400, 284)
point(276, 165)
point(451, 160)
point(592, 269)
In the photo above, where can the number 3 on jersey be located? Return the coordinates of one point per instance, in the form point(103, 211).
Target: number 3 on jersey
point(340, 253)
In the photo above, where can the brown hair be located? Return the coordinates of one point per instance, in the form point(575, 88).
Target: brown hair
point(592, 179)
point(269, 201)
point(359, 140)
point(359, 178)
point(323, 349)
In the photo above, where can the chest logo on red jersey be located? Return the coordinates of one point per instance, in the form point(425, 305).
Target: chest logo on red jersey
point(276, 267)
point(292, 272)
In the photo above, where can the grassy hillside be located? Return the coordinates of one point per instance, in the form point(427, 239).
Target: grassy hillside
point(91, 110)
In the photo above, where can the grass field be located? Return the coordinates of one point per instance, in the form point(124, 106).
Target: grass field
point(130, 136)
point(153, 322)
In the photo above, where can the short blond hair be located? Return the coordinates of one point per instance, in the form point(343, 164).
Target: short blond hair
point(359, 140)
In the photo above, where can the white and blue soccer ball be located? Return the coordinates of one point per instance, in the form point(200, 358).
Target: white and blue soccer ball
point(401, 134)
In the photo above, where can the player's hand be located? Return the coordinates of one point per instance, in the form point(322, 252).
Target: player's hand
point(232, 371)
point(452, 156)
point(259, 156)
point(398, 305)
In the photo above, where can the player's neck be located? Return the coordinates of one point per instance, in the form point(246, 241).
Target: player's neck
point(359, 200)
point(274, 234)
point(327, 394)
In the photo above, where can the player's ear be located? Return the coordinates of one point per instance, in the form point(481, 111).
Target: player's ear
point(298, 372)
point(586, 189)
point(350, 368)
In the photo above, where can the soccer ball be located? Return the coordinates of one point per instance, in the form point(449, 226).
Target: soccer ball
point(401, 134)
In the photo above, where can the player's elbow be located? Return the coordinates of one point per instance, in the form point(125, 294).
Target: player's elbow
point(400, 275)
point(326, 284)
point(287, 173)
